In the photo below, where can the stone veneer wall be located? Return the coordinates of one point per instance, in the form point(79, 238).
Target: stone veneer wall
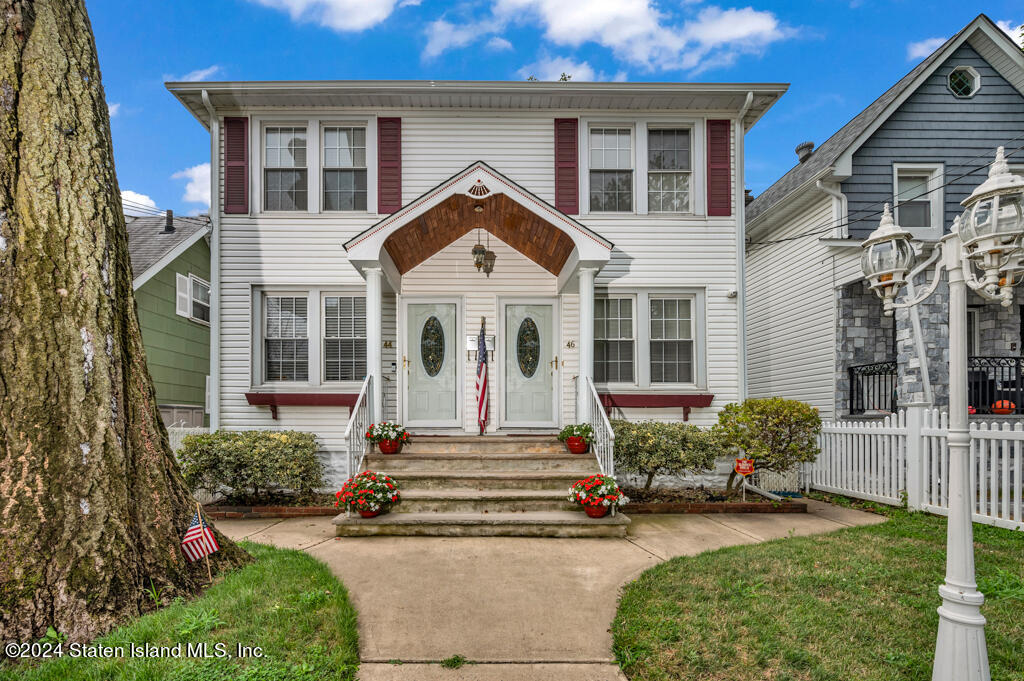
point(999, 327)
point(863, 336)
point(934, 313)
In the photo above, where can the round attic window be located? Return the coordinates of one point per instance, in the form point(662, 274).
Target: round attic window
point(963, 82)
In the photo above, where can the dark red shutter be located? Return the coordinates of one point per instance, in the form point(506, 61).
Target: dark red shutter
point(236, 165)
point(389, 164)
point(719, 176)
point(567, 172)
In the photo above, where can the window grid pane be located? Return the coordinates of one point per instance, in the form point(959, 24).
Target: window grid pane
point(344, 338)
point(671, 340)
point(200, 300)
point(611, 170)
point(613, 340)
point(913, 205)
point(284, 175)
point(285, 343)
point(344, 162)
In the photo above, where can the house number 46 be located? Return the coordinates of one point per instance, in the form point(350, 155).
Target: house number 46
point(571, 344)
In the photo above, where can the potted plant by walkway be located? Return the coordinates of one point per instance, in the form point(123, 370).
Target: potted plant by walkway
point(370, 493)
point(577, 437)
point(389, 437)
point(597, 494)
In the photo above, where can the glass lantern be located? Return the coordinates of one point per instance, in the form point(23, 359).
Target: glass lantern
point(887, 258)
point(479, 252)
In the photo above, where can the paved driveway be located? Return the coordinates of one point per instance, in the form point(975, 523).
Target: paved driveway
point(533, 608)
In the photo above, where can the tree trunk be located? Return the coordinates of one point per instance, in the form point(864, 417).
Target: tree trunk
point(92, 506)
point(650, 479)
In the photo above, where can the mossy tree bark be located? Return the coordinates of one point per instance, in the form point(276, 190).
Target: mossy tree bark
point(92, 506)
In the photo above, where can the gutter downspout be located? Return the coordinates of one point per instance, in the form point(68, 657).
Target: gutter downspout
point(838, 215)
point(214, 398)
point(741, 250)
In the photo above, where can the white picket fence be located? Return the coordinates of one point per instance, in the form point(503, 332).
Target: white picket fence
point(904, 458)
point(178, 433)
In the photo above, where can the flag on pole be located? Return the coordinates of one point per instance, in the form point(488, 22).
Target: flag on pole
point(199, 540)
point(481, 380)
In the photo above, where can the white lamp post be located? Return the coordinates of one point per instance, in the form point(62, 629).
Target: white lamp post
point(984, 252)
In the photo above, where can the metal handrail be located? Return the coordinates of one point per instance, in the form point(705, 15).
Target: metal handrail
point(359, 420)
point(604, 437)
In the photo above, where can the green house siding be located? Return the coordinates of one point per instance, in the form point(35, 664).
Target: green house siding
point(177, 349)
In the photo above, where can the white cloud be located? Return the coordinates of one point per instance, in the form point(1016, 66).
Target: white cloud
point(923, 48)
point(443, 35)
point(634, 30)
point(193, 76)
point(197, 189)
point(497, 43)
point(114, 108)
point(1012, 29)
point(552, 68)
point(135, 203)
point(340, 15)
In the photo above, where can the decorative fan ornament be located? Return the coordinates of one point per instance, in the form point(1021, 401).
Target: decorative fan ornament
point(479, 189)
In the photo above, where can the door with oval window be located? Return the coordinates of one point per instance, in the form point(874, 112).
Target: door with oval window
point(431, 365)
point(530, 365)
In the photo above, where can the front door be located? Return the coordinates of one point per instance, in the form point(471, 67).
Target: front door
point(530, 365)
point(431, 364)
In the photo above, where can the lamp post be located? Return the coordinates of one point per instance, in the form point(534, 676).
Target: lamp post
point(984, 252)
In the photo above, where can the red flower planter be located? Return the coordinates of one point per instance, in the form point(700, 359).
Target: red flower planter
point(389, 446)
point(369, 514)
point(576, 445)
point(596, 511)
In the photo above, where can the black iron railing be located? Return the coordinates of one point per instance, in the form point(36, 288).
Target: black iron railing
point(873, 387)
point(995, 385)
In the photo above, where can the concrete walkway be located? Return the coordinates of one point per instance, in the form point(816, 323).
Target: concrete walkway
point(522, 608)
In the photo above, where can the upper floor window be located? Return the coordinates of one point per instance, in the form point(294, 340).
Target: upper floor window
point(918, 198)
point(285, 338)
point(611, 169)
point(668, 170)
point(284, 169)
point(963, 82)
point(200, 299)
point(344, 168)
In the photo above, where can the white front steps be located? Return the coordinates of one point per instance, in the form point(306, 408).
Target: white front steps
point(484, 486)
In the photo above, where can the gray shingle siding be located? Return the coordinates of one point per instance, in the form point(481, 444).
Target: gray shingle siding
point(933, 126)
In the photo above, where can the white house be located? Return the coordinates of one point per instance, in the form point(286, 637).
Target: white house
point(345, 215)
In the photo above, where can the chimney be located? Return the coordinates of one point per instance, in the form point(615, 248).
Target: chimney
point(804, 150)
point(169, 224)
point(748, 196)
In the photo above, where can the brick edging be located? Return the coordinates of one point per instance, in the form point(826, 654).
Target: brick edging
point(252, 512)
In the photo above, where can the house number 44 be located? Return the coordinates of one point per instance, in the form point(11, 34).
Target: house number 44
point(388, 345)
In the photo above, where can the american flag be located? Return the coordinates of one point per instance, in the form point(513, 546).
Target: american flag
point(199, 540)
point(481, 381)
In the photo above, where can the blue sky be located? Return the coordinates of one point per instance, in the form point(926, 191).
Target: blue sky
point(838, 56)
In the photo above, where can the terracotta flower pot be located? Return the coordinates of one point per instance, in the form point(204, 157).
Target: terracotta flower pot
point(389, 446)
point(369, 514)
point(576, 445)
point(596, 511)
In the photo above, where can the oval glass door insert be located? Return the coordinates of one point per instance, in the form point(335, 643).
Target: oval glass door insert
point(432, 346)
point(528, 347)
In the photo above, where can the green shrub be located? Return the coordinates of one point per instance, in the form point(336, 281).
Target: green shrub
point(252, 462)
point(650, 448)
point(776, 433)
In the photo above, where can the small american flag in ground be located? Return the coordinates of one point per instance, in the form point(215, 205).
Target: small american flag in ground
point(199, 540)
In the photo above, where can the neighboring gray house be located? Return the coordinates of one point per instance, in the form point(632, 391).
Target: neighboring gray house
point(815, 331)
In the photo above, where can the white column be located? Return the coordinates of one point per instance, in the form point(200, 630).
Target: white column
point(586, 350)
point(374, 339)
point(960, 653)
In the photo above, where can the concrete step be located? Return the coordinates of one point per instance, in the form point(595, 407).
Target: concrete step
point(482, 480)
point(489, 461)
point(530, 524)
point(487, 444)
point(478, 501)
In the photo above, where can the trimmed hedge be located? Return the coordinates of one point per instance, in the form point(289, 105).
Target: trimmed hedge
point(651, 448)
point(252, 462)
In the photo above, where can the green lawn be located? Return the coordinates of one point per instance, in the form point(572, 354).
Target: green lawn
point(286, 602)
point(855, 604)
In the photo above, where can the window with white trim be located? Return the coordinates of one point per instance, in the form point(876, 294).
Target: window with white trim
point(917, 193)
point(671, 340)
point(669, 170)
point(285, 180)
point(344, 338)
point(344, 168)
point(611, 169)
point(285, 338)
point(613, 340)
point(964, 82)
point(200, 299)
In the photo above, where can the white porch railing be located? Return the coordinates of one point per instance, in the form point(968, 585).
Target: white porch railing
point(905, 457)
point(359, 420)
point(603, 446)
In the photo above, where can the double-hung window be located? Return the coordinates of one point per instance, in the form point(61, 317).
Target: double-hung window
point(285, 338)
point(285, 180)
point(199, 294)
point(918, 198)
point(611, 169)
point(671, 347)
point(344, 338)
point(613, 340)
point(669, 169)
point(344, 168)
